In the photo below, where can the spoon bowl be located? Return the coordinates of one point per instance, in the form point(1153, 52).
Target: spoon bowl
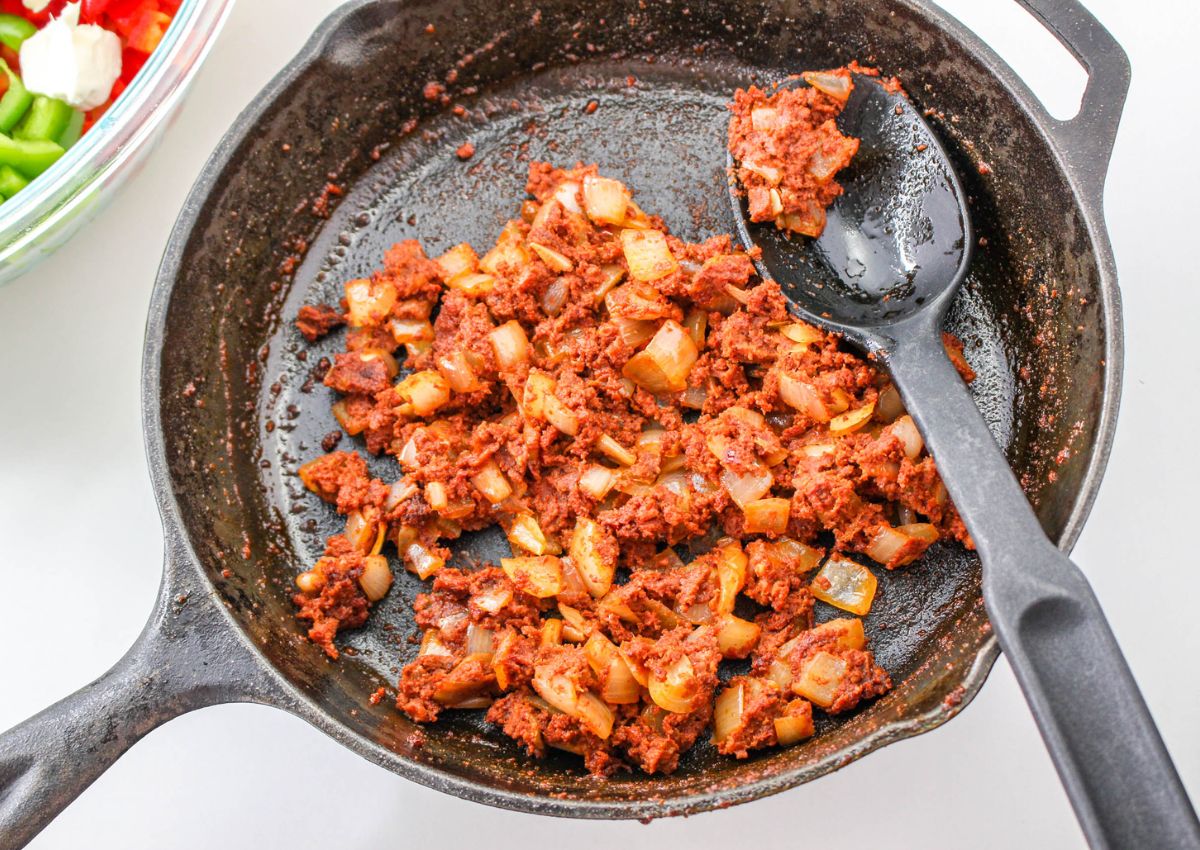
point(896, 242)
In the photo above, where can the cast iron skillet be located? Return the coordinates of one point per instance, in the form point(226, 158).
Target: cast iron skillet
point(226, 376)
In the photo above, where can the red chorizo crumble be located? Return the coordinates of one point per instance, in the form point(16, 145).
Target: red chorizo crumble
point(616, 398)
point(788, 149)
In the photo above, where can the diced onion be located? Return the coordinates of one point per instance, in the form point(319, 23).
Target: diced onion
point(422, 393)
point(769, 173)
point(731, 576)
point(350, 425)
point(595, 715)
point(493, 598)
point(802, 333)
point(463, 685)
point(920, 530)
point(747, 487)
point(605, 200)
point(905, 430)
point(526, 533)
point(421, 561)
point(803, 397)
point(895, 547)
point(795, 724)
point(556, 689)
point(800, 557)
point(504, 650)
point(820, 679)
point(597, 481)
point(310, 581)
point(376, 577)
point(400, 491)
point(854, 420)
point(889, 405)
point(553, 259)
point(539, 575)
point(539, 401)
point(836, 85)
point(369, 302)
point(490, 481)
point(618, 684)
point(728, 709)
point(847, 630)
point(614, 450)
point(736, 638)
point(613, 274)
point(411, 330)
point(575, 626)
point(436, 496)
point(477, 285)
point(647, 254)
point(552, 632)
point(508, 254)
point(364, 534)
point(555, 297)
point(567, 194)
point(696, 323)
point(634, 332)
point(459, 260)
point(595, 568)
point(767, 516)
point(510, 344)
point(846, 585)
point(677, 690)
point(433, 644)
point(479, 640)
point(663, 365)
point(818, 449)
point(457, 371)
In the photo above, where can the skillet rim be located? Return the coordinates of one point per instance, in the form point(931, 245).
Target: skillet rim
point(183, 565)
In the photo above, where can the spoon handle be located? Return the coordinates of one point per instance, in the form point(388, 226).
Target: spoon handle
point(1099, 732)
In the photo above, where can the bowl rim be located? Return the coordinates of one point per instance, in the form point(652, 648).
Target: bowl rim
point(289, 697)
point(125, 127)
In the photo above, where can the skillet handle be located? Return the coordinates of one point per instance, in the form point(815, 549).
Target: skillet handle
point(1086, 141)
point(187, 657)
point(1096, 726)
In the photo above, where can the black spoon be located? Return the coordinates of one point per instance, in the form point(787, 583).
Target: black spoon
point(894, 252)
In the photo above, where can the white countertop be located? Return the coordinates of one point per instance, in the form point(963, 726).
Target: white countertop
point(83, 543)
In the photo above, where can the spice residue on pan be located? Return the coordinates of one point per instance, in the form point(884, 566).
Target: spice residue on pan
point(681, 470)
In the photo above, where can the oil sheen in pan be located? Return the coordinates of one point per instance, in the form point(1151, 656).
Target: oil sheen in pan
point(665, 137)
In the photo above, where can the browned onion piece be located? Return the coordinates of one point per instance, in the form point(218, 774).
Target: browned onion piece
point(905, 430)
point(663, 365)
point(747, 487)
point(767, 516)
point(510, 345)
point(539, 576)
point(676, 691)
point(838, 86)
point(376, 577)
point(421, 561)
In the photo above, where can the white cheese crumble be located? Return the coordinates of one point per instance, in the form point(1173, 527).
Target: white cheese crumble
point(78, 64)
point(35, 6)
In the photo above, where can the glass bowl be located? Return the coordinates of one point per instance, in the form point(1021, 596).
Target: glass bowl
point(40, 218)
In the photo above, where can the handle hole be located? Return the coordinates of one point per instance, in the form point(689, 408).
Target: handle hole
point(1049, 69)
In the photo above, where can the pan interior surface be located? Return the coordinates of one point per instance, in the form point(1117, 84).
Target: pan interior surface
point(353, 152)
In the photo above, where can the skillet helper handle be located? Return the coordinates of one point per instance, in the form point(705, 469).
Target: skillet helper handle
point(185, 658)
point(1105, 746)
point(1086, 140)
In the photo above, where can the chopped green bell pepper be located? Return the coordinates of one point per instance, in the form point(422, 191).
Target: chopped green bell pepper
point(11, 182)
point(14, 30)
point(30, 158)
point(73, 131)
point(46, 120)
point(15, 102)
